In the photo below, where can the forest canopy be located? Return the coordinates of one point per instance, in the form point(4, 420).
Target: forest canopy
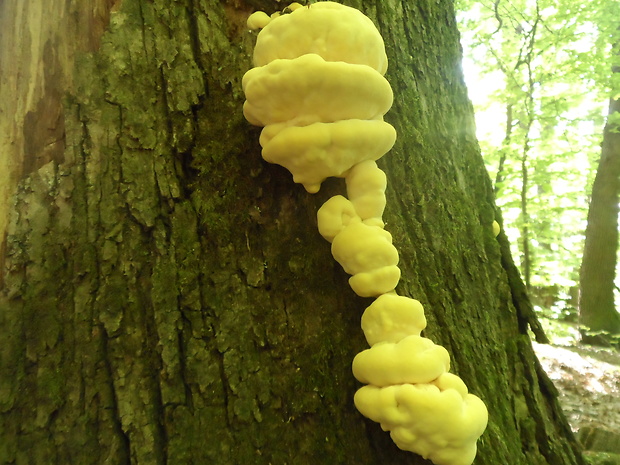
point(539, 74)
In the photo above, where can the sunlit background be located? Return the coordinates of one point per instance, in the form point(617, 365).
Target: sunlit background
point(538, 74)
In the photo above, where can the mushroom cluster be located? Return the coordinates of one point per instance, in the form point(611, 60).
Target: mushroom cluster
point(318, 89)
point(410, 391)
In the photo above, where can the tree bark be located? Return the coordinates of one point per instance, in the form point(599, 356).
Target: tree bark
point(597, 309)
point(167, 297)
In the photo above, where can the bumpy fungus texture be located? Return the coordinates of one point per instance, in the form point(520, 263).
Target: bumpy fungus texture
point(318, 89)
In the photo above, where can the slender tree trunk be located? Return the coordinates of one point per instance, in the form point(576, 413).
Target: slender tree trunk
point(597, 309)
point(167, 298)
point(526, 258)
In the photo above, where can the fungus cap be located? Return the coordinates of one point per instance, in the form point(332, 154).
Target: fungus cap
point(451, 381)
point(361, 248)
point(295, 6)
point(391, 318)
point(334, 215)
point(439, 425)
point(366, 252)
point(375, 282)
point(334, 31)
point(321, 150)
point(258, 20)
point(366, 185)
point(496, 228)
point(414, 359)
point(308, 89)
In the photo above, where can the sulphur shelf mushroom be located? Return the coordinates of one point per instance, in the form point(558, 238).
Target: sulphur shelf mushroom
point(318, 90)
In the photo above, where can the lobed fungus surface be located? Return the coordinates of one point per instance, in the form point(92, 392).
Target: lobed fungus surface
point(318, 89)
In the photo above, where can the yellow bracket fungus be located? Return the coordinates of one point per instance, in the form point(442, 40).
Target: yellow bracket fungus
point(367, 253)
point(391, 318)
point(325, 149)
point(439, 424)
point(319, 92)
point(412, 360)
point(496, 228)
point(309, 89)
point(328, 29)
point(366, 185)
point(335, 215)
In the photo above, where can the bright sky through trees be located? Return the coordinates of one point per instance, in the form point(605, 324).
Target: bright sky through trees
point(538, 76)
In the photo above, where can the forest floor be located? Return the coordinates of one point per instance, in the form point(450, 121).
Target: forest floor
point(588, 380)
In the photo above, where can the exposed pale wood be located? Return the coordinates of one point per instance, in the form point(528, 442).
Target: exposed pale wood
point(38, 43)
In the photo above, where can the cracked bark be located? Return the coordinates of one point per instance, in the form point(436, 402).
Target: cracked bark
point(166, 297)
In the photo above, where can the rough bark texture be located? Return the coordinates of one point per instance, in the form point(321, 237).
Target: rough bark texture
point(38, 43)
point(168, 299)
point(597, 309)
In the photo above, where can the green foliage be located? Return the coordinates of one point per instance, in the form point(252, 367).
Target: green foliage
point(539, 75)
point(560, 333)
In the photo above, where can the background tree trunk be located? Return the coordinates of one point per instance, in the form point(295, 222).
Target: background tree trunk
point(167, 297)
point(597, 309)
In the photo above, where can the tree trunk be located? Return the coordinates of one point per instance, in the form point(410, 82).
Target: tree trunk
point(167, 297)
point(597, 309)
